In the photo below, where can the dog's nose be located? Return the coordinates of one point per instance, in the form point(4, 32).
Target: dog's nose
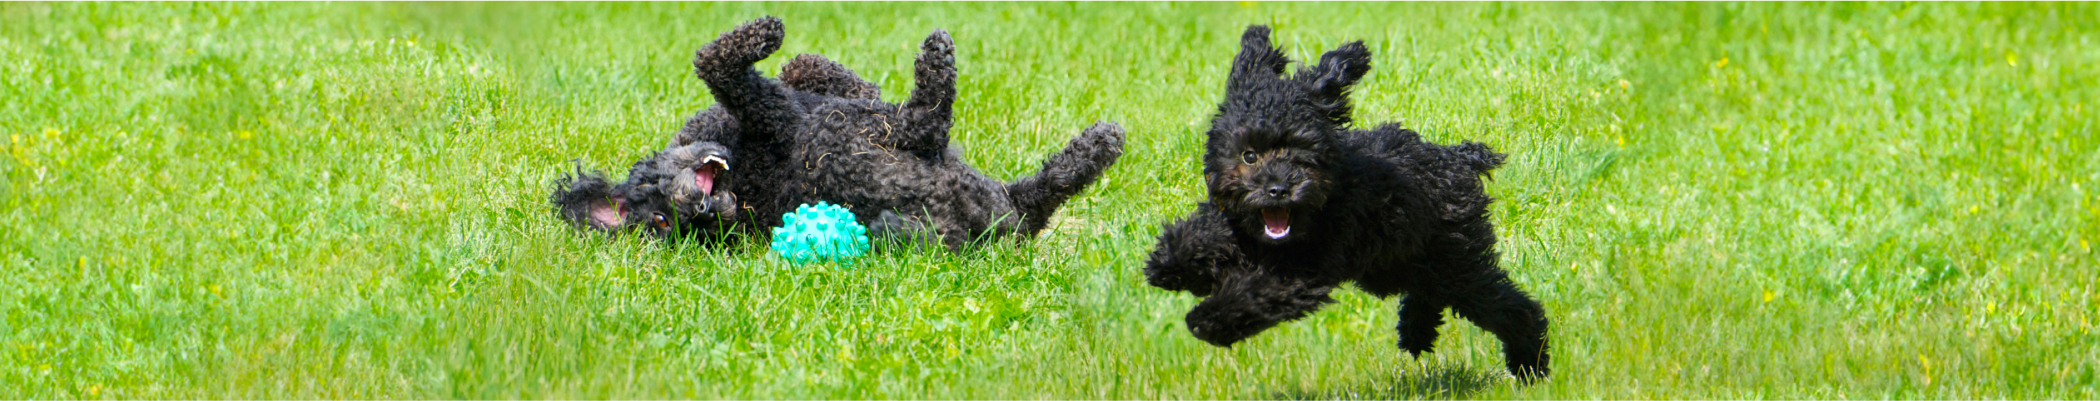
point(1278, 191)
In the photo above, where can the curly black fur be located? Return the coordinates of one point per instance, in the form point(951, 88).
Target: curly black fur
point(1299, 204)
point(822, 134)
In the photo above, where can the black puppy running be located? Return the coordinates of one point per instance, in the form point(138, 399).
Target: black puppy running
point(1299, 204)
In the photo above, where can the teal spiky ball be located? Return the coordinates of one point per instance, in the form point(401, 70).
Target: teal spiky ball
point(824, 232)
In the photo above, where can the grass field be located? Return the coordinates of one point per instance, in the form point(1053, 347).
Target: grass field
point(1712, 201)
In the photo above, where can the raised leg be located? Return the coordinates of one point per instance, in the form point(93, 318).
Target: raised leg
point(760, 105)
point(807, 73)
point(1193, 253)
point(1249, 301)
point(934, 76)
point(929, 112)
point(1065, 174)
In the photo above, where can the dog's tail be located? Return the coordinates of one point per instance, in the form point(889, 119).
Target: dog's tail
point(1065, 174)
point(1477, 156)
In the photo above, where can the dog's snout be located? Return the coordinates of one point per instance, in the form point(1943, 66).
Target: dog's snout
point(1278, 191)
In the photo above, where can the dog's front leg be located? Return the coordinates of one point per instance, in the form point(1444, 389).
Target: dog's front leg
point(1420, 316)
point(759, 105)
point(1193, 252)
point(1250, 301)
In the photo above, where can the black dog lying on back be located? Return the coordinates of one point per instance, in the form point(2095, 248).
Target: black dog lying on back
point(826, 136)
point(660, 189)
point(1299, 204)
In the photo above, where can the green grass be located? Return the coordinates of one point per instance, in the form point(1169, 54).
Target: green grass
point(1712, 201)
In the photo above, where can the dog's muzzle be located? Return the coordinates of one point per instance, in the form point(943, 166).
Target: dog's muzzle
point(704, 176)
point(695, 186)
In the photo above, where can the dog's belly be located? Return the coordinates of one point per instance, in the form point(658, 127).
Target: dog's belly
point(841, 159)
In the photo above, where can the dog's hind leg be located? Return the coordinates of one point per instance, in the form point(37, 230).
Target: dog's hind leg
point(1480, 291)
point(759, 105)
point(1500, 308)
point(1066, 173)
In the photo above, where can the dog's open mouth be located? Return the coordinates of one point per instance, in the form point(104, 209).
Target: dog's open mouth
point(607, 214)
point(1276, 222)
point(704, 176)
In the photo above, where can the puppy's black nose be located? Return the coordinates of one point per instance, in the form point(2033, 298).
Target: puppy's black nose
point(1278, 191)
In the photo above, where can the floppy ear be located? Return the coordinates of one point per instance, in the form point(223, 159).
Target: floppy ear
point(1258, 60)
point(1330, 80)
point(1338, 69)
point(587, 201)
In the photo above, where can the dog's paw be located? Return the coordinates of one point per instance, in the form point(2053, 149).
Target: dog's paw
point(1227, 319)
point(935, 72)
point(1166, 276)
point(722, 205)
point(744, 45)
point(938, 51)
point(1106, 138)
point(1168, 271)
point(1105, 132)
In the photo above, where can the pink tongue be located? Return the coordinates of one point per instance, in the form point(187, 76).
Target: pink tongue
point(705, 178)
point(1277, 220)
point(607, 216)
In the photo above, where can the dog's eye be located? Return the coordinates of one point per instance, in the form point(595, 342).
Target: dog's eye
point(661, 221)
point(1247, 157)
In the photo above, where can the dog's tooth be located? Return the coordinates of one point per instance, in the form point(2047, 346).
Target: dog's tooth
point(716, 159)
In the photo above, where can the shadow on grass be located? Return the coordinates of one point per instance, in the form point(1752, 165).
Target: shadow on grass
point(1431, 382)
